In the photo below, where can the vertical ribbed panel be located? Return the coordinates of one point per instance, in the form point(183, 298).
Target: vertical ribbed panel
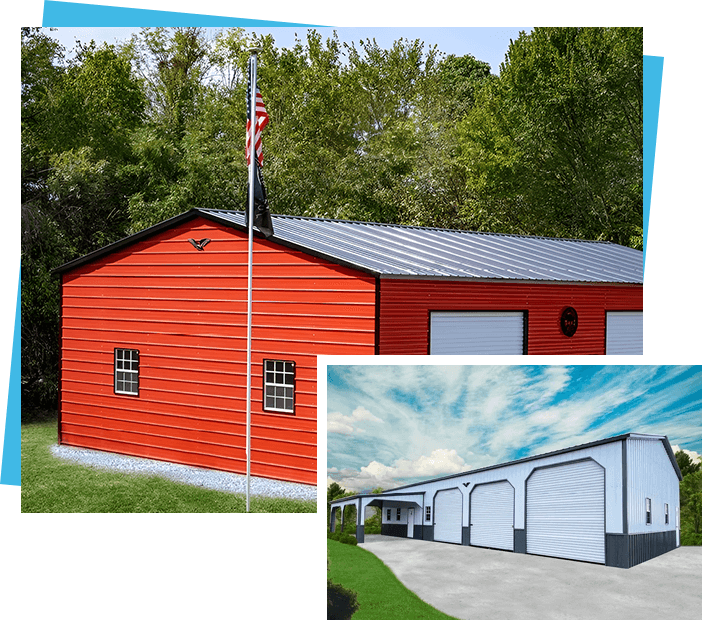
point(565, 515)
point(447, 514)
point(624, 332)
point(492, 516)
point(481, 332)
point(650, 476)
point(644, 547)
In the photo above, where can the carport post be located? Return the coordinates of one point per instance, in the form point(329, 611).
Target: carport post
point(343, 509)
point(359, 522)
point(332, 520)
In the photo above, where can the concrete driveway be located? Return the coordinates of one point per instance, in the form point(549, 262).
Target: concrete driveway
point(473, 583)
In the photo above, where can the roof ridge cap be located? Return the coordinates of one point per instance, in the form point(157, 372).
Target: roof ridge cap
point(419, 227)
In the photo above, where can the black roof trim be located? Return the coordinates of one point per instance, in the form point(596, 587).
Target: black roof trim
point(128, 240)
point(187, 216)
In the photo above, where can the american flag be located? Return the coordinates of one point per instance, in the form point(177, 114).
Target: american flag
point(262, 219)
point(261, 120)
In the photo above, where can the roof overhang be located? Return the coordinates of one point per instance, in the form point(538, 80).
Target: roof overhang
point(188, 216)
point(406, 498)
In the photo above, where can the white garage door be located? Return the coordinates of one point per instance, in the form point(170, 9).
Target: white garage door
point(447, 516)
point(624, 332)
point(477, 332)
point(492, 516)
point(566, 512)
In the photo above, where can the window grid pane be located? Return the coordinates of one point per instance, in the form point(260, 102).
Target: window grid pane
point(126, 371)
point(279, 385)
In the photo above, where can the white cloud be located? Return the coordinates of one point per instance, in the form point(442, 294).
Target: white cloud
point(337, 422)
point(693, 455)
point(439, 462)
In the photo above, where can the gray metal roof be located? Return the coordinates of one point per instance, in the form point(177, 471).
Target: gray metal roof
point(408, 251)
point(399, 250)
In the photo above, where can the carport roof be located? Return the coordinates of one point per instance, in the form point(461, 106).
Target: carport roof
point(406, 497)
point(426, 252)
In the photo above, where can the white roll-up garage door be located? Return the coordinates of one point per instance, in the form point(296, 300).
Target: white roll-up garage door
point(492, 516)
point(477, 332)
point(624, 332)
point(447, 516)
point(566, 512)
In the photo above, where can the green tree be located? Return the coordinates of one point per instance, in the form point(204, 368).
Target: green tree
point(685, 463)
point(691, 509)
point(77, 121)
point(174, 65)
point(554, 145)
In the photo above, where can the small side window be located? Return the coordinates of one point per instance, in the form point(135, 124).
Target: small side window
point(398, 514)
point(388, 514)
point(427, 512)
point(125, 371)
point(648, 512)
point(278, 386)
point(667, 515)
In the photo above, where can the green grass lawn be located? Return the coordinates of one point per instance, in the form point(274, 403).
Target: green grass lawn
point(50, 484)
point(380, 594)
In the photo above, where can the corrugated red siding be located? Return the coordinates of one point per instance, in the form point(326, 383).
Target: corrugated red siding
point(185, 311)
point(405, 306)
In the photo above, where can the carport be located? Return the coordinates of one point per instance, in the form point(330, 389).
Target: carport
point(402, 513)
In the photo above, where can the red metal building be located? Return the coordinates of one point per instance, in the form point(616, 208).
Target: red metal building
point(153, 327)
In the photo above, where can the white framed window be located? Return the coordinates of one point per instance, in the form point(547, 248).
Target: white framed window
point(667, 515)
point(427, 512)
point(648, 512)
point(125, 371)
point(278, 385)
point(388, 514)
point(398, 514)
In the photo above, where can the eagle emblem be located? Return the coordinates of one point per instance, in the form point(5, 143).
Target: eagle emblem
point(199, 245)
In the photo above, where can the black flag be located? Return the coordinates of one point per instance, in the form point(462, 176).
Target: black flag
point(262, 219)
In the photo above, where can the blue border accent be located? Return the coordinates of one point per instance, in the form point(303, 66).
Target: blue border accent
point(652, 85)
point(10, 474)
point(75, 14)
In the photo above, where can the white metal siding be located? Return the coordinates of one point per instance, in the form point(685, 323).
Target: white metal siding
point(492, 516)
point(566, 512)
point(624, 332)
point(485, 332)
point(650, 476)
point(448, 516)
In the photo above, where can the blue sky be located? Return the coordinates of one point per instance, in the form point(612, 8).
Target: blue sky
point(391, 425)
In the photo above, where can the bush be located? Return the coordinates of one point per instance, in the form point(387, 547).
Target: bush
point(342, 537)
point(692, 539)
point(341, 603)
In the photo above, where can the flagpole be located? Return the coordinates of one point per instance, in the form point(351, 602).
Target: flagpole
point(250, 224)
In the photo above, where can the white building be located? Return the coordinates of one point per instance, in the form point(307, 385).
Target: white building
point(614, 501)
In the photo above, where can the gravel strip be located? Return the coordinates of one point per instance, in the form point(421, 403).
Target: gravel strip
point(202, 477)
